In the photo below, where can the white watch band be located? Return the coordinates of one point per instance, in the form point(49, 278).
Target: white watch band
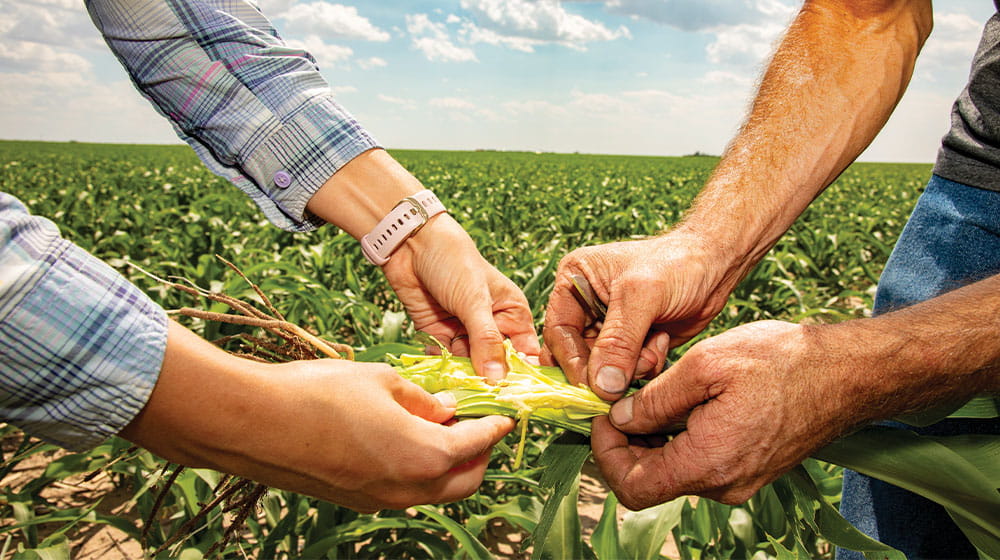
point(405, 219)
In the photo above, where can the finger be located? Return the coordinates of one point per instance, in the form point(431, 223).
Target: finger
point(418, 402)
point(515, 320)
point(615, 355)
point(565, 322)
point(457, 483)
point(653, 355)
point(474, 310)
point(462, 481)
point(662, 405)
point(469, 439)
point(460, 345)
point(527, 344)
point(569, 350)
point(635, 473)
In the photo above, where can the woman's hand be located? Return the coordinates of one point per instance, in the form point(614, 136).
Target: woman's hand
point(453, 294)
point(355, 434)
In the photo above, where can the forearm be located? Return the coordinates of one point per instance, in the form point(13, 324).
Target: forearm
point(206, 404)
point(941, 351)
point(830, 87)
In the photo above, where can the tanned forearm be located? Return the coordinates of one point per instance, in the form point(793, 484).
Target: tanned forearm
point(830, 87)
point(941, 351)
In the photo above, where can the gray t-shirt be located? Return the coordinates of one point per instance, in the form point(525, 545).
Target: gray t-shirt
point(970, 152)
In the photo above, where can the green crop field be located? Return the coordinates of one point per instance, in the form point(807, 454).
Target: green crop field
point(157, 207)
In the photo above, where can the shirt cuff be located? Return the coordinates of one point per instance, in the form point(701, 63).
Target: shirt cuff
point(299, 157)
point(81, 346)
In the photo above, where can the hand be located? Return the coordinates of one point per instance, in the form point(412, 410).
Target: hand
point(758, 399)
point(449, 291)
point(355, 434)
point(660, 292)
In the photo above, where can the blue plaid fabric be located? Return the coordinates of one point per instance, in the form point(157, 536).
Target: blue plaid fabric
point(80, 347)
point(257, 112)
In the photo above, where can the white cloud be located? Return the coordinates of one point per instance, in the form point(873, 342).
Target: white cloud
point(463, 110)
point(332, 20)
point(71, 105)
point(372, 62)
point(342, 90)
point(432, 39)
point(392, 100)
point(743, 45)
point(948, 52)
point(453, 103)
point(326, 55)
point(23, 56)
point(538, 20)
point(55, 22)
point(473, 34)
point(700, 15)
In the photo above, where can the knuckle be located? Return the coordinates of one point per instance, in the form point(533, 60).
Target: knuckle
point(620, 343)
point(490, 335)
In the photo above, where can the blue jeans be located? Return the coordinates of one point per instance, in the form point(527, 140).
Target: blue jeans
point(951, 239)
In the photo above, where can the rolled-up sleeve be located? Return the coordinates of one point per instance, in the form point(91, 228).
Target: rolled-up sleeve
point(256, 112)
point(80, 347)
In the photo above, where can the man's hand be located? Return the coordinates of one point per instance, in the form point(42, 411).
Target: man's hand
point(660, 292)
point(355, 434)
point(757, 400)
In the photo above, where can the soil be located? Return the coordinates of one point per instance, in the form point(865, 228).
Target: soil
point(103, 542)
point(95, 541)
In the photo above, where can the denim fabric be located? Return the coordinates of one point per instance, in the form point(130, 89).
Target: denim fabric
point(951, 239)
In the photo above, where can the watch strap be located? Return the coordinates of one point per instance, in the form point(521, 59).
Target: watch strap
point(405, 219)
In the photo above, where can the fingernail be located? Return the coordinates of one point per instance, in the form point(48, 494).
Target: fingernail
point(663, 344)
point(493, 371)
point(533, 360)
point(446, 399)
point(612, 379)
point(621, 412)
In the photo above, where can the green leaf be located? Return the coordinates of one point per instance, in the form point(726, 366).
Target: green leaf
point(361, 528)
point(562, 461)
point(832, 526)
point(520, 511)
point(605, 540)
point(959, 472)
point(644, 532)
point(57, 551)
point(563, 540)
point(469, 545)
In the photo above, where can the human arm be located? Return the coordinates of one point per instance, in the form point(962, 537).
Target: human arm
point(259, 114)
point(760, 398)
point(831, 85)
point(447, 287)
point(354, 434)
point(87, 355)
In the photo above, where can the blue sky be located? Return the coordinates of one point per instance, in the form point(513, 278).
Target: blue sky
point(661, 77)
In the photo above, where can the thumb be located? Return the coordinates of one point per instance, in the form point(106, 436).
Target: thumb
point(662, 406)
point(437, 408)
point(616, 351)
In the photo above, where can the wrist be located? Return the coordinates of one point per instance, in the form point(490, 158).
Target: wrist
point(363, 192)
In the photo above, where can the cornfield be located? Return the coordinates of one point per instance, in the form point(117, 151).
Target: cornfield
point(157, 209)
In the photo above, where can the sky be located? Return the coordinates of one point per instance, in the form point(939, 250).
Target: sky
point(643, 77)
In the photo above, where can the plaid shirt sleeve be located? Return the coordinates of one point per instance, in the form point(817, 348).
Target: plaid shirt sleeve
point(256, 112)
point(80, 347)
